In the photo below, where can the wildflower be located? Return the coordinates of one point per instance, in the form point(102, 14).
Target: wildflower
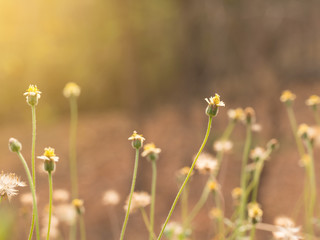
point(287, 97)
point(32, 94)
point(151, 152)
point(286, 229)
point(175, 231)
point(306, 132)
point(254, 212)
point(110, 197)
point(273, 144)
point(213, 185)
point(313, 101)
point(250, 115)
point(71, 90)
point(215, 213)
point(256, 127)
point(79, 205)
point(214, 104)
point(14, 145)
point(139, 200)
point(236, 114)
point(26, 199)
point(258, 153)
point(49, 158)
point(137, 140)
point(206, 163)
point(66, 213)
point(8, 184)
point(222, 146)
point(61, 195)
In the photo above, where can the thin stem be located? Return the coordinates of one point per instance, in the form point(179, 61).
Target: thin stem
point(34, 200)
point(73, 147)
point(146, 222)
point(316, 115)
point(293, 124)
point(187, 178)
point(217, 197)
point(198, 206)
point(130, 196)
point(228, 131)
point(73, 230)
point(253, 232)
point(244, 174)
point(33, 166)
point(82, 228)
point(50, 203)
point(184, 203)
point(313, 189)
point(153, 198)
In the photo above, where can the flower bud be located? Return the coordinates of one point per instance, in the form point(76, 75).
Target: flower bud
point(32, 94)
point(213, 105)
point(137, 140)
point(14, 145)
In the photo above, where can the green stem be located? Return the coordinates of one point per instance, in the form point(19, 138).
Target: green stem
point(198, 206)
point(313, 189)
point(253, 232)
point(184, 203)
point(293, 124)
point(244, 177)
point(187, 178)
point(33, 166)
point(147, 223)
point(220, 220)
point(73, 230)
point(73, 147)
point(130, 196)
point(34, 200)
point(82, 228)
point(50, 203)
point(316, 115)
point(228, 131)
point(153, 198)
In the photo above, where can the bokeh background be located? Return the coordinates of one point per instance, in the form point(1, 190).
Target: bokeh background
point(147, 66)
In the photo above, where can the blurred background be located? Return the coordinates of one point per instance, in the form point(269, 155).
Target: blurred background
point(147, 66)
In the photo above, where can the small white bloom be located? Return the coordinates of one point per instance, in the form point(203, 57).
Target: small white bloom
point(206, 163)
point(139, 200)
point(222, 145)
point(8, 184)
point(111, 197)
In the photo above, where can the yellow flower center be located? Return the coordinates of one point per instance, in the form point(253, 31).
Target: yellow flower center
point(33, 89)
point(216, 99)
point(287, 96)
point(213, 185)
point(149, 146)
point(49, 152)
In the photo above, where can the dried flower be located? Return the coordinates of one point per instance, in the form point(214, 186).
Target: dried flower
point(254, 212)
point(222, 146)
point(71, 90)
point(286, 229)
point(8, 184)
point(206, 163)
point(287, 97)
point(150, 151)
point(137, 140)
point(32, 94)
point(213, 105)
point(111, 197)
point(139, 200)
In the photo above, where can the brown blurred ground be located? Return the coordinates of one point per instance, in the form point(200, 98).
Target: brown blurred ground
point(106, 159)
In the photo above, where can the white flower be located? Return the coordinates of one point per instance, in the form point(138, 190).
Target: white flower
point(139, 200)
point(258, 153)
point(61, 195)
point(71, 90)
point(222, 145)
point(286, 229)
point(66, 213)
point(110, 197)
point(8, 184)
point(206, 163)
point(49, 155)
